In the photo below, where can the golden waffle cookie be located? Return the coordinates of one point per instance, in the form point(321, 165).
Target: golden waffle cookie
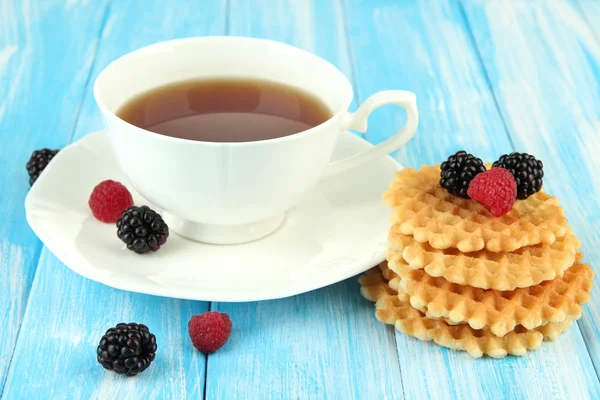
point(551, 301)
point(425, 210)
point(390, 309)
point(550, 331)
point(524, 267)
point(394, 283)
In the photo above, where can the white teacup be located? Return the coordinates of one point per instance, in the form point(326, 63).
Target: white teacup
point(235, 192)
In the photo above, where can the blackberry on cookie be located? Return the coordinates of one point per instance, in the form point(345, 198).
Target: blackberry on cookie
point(458, 171)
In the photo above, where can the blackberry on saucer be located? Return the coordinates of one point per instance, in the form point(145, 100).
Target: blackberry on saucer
point(142, 229)
point(38, 161)
point(458, 171)
point(127, 348)
point(527, 171)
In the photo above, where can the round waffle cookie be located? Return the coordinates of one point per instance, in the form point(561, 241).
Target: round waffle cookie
point(553, 301)
point(423, 209)
point(483, 269)
point(395, 310)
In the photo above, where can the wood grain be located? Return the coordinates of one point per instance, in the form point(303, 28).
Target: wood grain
point(66, 314)
point(590, 10)
point(544, 67)
point(426, 48)
point(31, 118)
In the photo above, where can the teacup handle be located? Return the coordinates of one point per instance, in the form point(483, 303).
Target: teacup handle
point(358, 121)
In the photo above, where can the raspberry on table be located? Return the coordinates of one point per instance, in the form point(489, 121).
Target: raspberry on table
point(127, 349)
point(496, 189)
point(38, 161)
point(142, 229)
point(527, 171)
point(108, 200)
point(209, 331)
point(458, 171)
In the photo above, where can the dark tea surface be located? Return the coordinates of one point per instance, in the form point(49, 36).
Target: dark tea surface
point(225, 110)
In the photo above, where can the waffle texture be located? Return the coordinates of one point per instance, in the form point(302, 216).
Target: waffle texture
point(392, 309)
point(552, 301)
point(524, 267)
point(423, 209)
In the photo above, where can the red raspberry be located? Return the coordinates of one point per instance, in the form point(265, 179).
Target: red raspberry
point(209, 331)
point(496, 189)
point(108, 200)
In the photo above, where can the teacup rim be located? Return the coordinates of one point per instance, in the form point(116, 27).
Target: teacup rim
point(335, 114)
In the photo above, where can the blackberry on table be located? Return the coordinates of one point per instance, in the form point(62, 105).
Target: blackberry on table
point(458, 171)
point(142, 229)
point(38, 161)
point(127, 348)
point(527, 171)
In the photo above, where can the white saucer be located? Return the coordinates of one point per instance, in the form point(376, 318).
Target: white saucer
point(337, 231)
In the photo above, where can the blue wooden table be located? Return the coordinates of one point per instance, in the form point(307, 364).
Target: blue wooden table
point(490, 76)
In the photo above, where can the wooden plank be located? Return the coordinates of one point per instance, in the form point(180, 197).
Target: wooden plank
point(544, 67)
point(591, 13)
point(426, 47)
point(66, 314)
point(35, 39)
point(326, 343)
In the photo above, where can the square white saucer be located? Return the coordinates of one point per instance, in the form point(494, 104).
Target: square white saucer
point(338, 230)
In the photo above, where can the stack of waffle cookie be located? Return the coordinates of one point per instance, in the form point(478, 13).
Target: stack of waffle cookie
point(469, 281)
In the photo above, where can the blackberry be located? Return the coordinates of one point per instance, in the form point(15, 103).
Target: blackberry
point(127, 349)
point(458, 171)
point(142, 229)
point(527, 171)
point(37, 162)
